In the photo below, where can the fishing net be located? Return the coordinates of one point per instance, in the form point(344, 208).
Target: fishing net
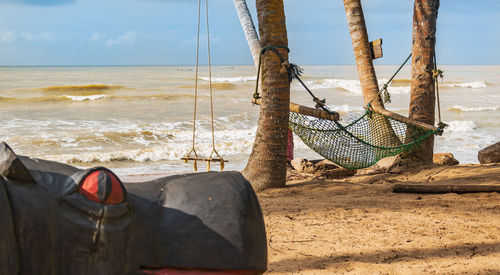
point(362, 142)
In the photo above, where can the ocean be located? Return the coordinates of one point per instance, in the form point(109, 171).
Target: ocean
point(137, 120)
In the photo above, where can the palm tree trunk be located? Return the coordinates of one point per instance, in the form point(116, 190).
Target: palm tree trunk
point(366, 71)
point(249, 29)
point(362, 52)
point(422, 100)
point(255, 48)
point(266, 167)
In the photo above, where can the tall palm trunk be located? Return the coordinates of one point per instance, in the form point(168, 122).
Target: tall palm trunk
point(266, 167)
point(366, 71)
point(422, 100)
point(249, 29)
point(255, 48)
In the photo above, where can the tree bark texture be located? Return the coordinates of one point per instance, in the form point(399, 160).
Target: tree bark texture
point(362, 52)
point(249, 29)
point(366, 71)
point(266, 167)
point(422, 100)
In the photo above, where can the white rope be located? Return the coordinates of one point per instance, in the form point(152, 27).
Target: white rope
point(214, 155)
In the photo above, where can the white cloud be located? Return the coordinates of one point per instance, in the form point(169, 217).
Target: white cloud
point(95, 37)
point(127, 38)
point(7, 37)
point(38, 2)
point(203, 41)
point(43, 36)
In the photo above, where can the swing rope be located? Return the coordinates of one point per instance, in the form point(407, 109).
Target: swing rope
point(193, 155)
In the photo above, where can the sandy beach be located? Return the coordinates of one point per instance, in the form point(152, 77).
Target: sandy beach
point(357, 225)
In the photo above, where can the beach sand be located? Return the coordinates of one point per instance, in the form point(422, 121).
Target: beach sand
point(357, 225)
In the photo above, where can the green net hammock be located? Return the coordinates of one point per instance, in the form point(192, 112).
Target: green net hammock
point(362, 142)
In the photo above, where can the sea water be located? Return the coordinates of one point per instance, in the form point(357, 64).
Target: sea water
point(140, 119)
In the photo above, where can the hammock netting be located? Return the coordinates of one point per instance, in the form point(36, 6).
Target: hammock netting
point(362, 142)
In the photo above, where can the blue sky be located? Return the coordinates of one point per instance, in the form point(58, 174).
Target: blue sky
point(162, 32)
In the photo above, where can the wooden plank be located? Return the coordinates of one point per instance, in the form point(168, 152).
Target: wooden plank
point(406, 120)
point(296, 108)
point(204, 159)
point(376, 47)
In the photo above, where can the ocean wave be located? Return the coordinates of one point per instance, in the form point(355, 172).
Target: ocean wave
point(352, 86)
point(157, 96)
point(169, 151)
point(94, 97)
point(473, 84)
point(230, 79)
point(140, 137)
point(85, 97)
point(343, 109)
point(397, 86)
point(216, 86)
point(347, 85)
point(137, 155)
point(134, 142)
point(400, 82)
point(51, 98)
point(458, 108)
point(80, 88)
point(461, 126)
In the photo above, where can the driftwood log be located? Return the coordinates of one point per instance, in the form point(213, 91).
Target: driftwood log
point(442, 189)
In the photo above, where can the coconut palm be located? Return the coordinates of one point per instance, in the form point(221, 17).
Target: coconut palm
point(266, 166)
point(366, 71)
point(249, 29)
point(422, 99)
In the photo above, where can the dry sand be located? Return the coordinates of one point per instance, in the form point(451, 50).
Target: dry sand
point(358, 225)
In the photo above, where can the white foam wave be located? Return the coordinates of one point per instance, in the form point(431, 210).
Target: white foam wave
point(230, 79)
point(85, 97)
point(345, 108)
point(473, 84)
point(461, 126)
point(354, 85)
point(458, 108)
point(346, 84)
point(351, 85)
point(168, 151)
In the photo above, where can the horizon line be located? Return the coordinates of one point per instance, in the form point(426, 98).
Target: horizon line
point(204, 65)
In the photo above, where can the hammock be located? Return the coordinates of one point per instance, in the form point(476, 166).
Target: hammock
point(377, 134)
point(357, 145)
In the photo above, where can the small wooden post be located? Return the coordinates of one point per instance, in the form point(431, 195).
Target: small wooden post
point(376, 47)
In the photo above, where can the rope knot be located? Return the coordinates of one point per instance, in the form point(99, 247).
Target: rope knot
point(285, 66)
point(320, 103)
point(437, 73)
point(442, 125)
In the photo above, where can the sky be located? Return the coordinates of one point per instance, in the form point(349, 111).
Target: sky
point(163, 32)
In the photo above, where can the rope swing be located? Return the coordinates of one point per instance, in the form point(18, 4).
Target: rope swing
point(193, 155)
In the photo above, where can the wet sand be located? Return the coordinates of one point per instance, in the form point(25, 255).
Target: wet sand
point(358, 225)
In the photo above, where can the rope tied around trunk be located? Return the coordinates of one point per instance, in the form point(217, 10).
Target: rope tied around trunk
point(437, 73)
point(294, 72)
